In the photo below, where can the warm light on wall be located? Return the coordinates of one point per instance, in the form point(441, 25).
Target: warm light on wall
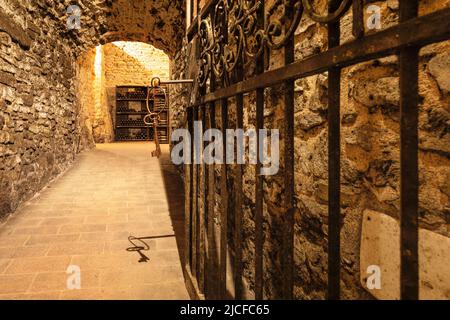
point(188, 13)
point(98, 82)
point(141, 53)
point(98, 61)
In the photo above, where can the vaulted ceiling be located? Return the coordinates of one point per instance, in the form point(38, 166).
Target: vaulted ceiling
point(157, 22)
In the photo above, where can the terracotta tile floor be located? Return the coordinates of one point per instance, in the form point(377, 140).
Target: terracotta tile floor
point(84, 218)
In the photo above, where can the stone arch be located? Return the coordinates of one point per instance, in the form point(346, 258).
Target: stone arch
point(156, 22)
point(100, 70)
point(159, 23)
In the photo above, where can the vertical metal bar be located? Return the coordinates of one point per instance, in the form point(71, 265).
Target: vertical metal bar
point(211, 263)
point(212, 249)
point(334, 185)
point(188, 202)
point(224, 213)
point(409, 167)
point(223, 184)
point(194, 201)
point(238, 210)
point(202, 185)
point(202, 208)
point(259, 236)
point(238, 203)
point(358, 18)
point(197, 205)
point(288, 234)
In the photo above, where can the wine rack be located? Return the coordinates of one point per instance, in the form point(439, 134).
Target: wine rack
point(131, 93)
point(130, 120)
point(131, 108)
point(133, 134)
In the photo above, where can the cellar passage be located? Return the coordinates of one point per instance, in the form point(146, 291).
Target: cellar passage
point(102, 72)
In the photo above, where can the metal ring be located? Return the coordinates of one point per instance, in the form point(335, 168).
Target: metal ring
point(152, 117)
point(156, 82)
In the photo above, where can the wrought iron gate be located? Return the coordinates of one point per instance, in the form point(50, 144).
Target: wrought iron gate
point(229, 33)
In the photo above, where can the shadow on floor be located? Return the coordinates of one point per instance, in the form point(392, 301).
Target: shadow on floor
point(174, 187)
point(174, 190)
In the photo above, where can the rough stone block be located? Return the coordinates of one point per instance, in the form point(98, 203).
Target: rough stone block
point(16, 32)
point(5, 39)
point(440, 67)
point(380, 246)
point(7, 78)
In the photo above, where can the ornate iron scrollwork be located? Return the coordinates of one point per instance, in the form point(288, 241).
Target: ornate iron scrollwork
point(206, 43)
point(330, 17)
point(232, 34)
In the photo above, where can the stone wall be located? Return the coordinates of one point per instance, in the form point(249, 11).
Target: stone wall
point(370, 157)
point(39, 118)
point(134, 63)
point(90, 93)
point(369, 152)
point(182, 66)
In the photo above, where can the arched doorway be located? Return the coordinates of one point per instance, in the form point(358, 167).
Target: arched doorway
point(103, 69)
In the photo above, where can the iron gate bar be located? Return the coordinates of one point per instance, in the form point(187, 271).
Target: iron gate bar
point(194, 201)
point(238, 212)
point(259, 235)
point(202, 248)
point(189, 197)
point(223, 177)
point(239, 194)
point(202, 208)
point(212, 249)
point(420, 31)
point(334, 161)
point(259, 198)
point(288, 234)
point(224, 216)
point(358, 18)
point(409, 178)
